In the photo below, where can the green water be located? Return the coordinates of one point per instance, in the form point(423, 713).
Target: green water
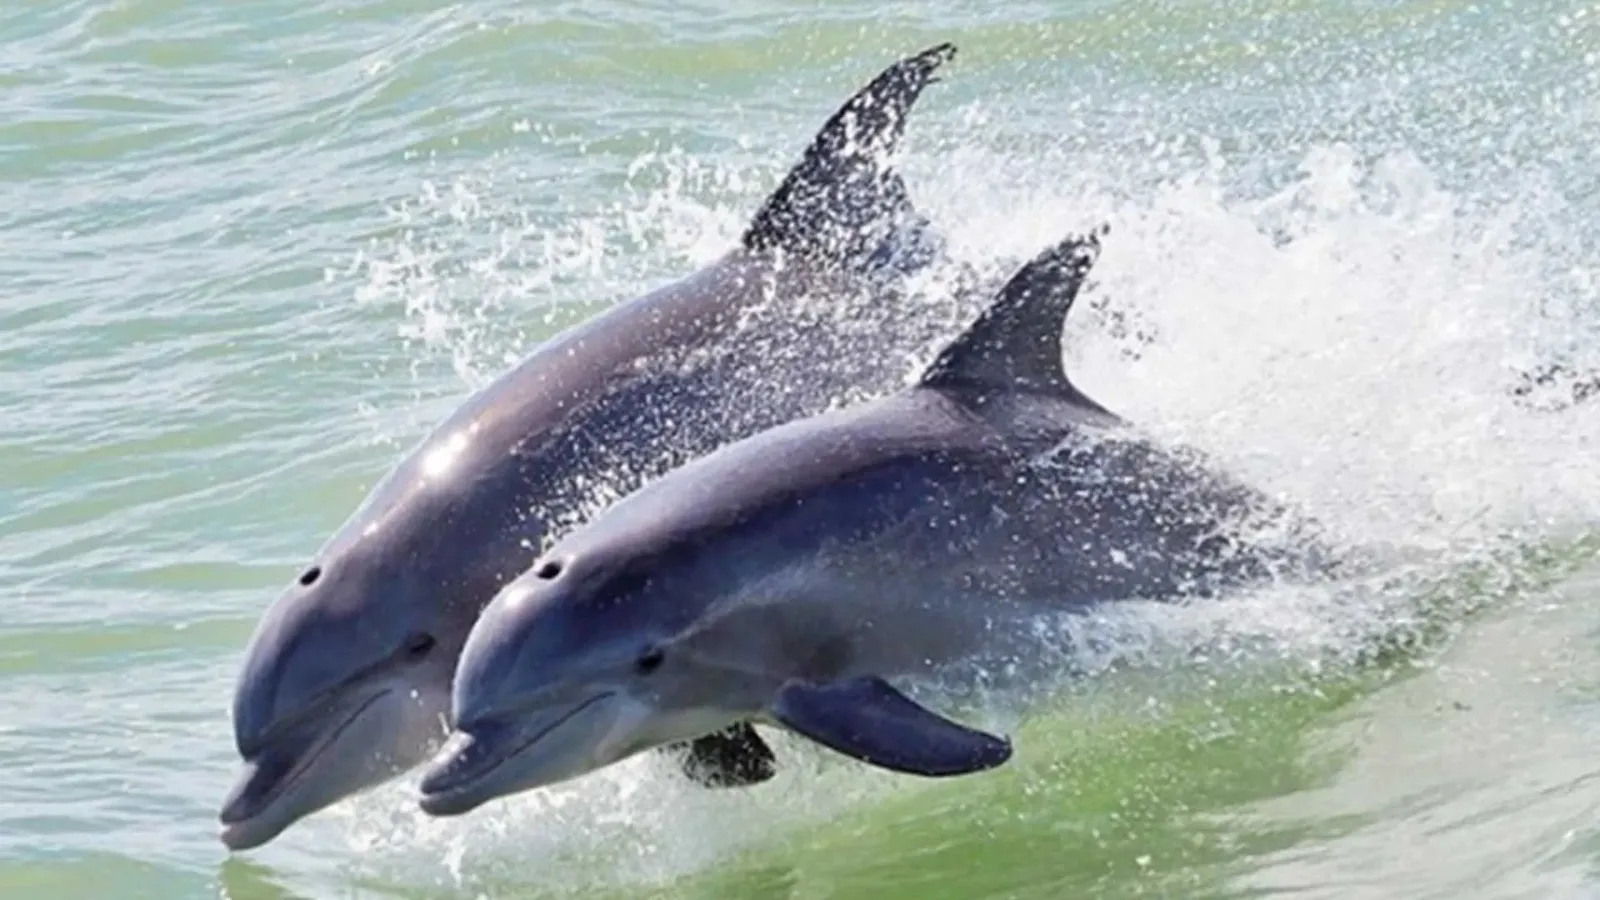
point(251, 251)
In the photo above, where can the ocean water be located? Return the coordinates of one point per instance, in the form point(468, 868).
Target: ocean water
point(252, 251)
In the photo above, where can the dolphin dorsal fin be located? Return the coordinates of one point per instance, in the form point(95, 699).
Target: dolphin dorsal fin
point(1015, 345)
point(843, 200)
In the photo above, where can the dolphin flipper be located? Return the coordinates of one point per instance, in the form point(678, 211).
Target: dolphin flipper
point(733, 757)
point(866, 718)
point(844, 201)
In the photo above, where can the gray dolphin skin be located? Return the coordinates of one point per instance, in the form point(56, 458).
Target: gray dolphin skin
point(346, 680)
point(785, 578)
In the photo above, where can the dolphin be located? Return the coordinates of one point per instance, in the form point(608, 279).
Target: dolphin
point(345, 682)
point(786, 578)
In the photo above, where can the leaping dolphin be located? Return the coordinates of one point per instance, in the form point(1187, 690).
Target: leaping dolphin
point(346, 681)
point(786, 578)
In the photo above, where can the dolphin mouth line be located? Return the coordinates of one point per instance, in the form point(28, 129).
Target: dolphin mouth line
point(316, 752)
point(517, 750)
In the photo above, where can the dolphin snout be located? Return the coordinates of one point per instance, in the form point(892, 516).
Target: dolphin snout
point(258, 778)
point(538, 746)
point(313, 761)
point(464, 758)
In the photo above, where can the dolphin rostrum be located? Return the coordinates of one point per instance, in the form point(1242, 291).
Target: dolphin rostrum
point(785, 578)
point(346, 680)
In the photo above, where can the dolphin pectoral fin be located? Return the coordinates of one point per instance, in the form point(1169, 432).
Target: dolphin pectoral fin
point(844, 201)
point(866, 718)
point(731, 758)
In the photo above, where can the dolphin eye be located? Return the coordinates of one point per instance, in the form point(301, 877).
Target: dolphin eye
point(419, 645)
point(650, 660)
